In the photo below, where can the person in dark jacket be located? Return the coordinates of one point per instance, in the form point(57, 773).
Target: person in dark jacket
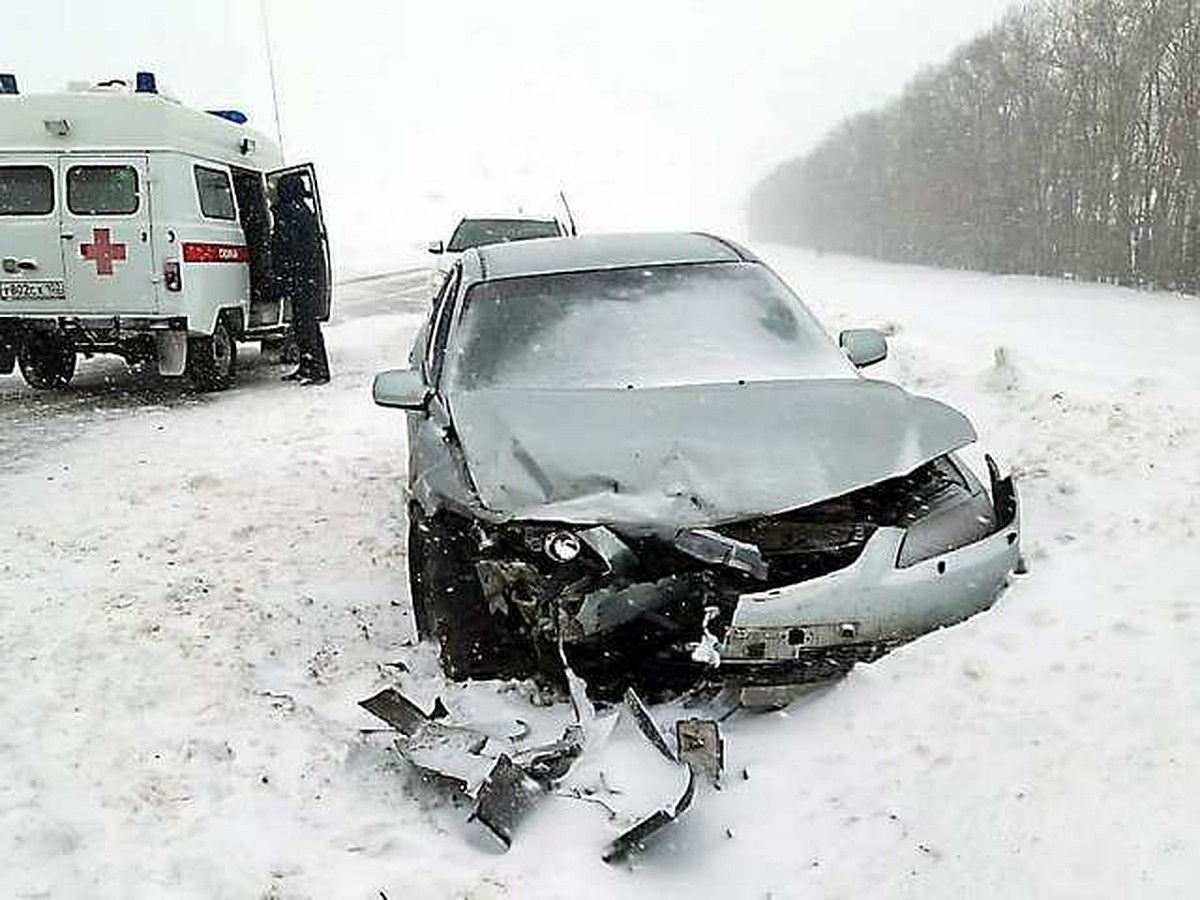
point(298, 260)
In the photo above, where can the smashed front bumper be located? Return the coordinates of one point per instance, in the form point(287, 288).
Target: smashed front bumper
point(787, 599)
point(864, 610)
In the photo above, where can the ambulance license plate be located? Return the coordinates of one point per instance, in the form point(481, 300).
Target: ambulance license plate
point(32, 290)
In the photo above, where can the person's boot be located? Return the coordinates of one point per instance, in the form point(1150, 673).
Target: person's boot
point(298, 375)
point(314, 379)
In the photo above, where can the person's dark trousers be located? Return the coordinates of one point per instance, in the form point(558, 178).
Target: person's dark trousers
point(314, 362)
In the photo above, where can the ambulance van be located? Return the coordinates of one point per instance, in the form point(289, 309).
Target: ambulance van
point(133, 225)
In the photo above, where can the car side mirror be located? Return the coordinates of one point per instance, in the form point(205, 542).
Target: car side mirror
point(863, 346)
point(401, 389)
point(437, 248)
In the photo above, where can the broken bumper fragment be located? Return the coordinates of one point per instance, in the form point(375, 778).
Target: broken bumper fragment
point(507, 781)
point(868, 607)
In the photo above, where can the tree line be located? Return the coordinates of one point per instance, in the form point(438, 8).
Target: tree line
point(1065, 141)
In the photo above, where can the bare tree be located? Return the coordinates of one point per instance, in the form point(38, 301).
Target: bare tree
point(1065, 141)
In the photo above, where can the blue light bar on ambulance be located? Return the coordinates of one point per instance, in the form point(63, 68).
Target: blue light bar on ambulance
point(146, 83)
point(233, 115)
point(8, 84)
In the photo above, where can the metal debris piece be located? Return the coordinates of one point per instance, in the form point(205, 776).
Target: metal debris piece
point(701, 747)
point(457, 754)
point(506, 796)
point(432, 744)
point(637, 838)
point(400, 712)
point(712, 547)
point(604, 542)
point(647, 725)
point(608, 607)
point(516, 783)
point(506, 782)
point(552, 761)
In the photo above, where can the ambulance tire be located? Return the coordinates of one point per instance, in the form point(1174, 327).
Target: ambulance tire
point(47, 360)
point(8, 358)
point(212, 360)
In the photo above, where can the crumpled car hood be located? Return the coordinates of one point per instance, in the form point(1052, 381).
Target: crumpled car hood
point(693, 455)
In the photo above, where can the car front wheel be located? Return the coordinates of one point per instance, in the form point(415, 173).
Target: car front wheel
point(448, 603)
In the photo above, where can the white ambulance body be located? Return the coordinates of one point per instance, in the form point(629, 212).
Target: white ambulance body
point(130, 224)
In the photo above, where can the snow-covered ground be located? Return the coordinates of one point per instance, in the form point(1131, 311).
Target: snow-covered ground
point(196, 590)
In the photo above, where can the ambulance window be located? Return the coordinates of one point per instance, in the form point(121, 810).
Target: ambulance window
point(26, 191)
point(216, 194)
point(102, 190)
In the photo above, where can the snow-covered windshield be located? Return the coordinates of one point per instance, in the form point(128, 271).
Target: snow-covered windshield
point(643, 327)
point(481, 232)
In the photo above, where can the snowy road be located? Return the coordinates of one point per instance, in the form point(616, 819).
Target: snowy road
point(194, 591)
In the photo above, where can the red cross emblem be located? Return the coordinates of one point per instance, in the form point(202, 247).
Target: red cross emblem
point(103, 251)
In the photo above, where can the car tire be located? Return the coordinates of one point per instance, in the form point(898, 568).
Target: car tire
point(448, 603)
point(212, 360)
point(418, 579)
point(47, 360)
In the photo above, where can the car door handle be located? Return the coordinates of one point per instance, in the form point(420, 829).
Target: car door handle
point(67, 236)
point(27, 264)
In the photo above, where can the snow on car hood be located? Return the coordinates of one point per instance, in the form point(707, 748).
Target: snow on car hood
point(670, 457)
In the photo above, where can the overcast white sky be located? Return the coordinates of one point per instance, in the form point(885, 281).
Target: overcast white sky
point(650, 113)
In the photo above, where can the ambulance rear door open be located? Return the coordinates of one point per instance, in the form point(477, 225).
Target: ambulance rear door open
point(309, 176)
point(104, 231)
point(254, 215)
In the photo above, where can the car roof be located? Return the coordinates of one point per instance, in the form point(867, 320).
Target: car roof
point(506, 217)
point(510, 217)
point(549, 256)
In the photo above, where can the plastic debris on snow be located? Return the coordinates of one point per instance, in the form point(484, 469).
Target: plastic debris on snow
point(621, 762)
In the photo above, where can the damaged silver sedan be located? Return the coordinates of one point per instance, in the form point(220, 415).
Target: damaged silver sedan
point(644, 453)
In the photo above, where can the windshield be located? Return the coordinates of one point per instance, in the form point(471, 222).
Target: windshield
point(481, 232)
point(644, 327)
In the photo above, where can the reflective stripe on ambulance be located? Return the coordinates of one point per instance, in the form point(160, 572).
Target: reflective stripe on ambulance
point(203, 252)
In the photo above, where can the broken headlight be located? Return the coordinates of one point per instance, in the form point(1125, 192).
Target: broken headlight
point(546, 540)
point(562, 546)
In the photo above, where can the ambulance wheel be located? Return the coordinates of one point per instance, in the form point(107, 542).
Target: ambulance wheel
point(211, 361)
point(47, 360)
point(8, 358)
